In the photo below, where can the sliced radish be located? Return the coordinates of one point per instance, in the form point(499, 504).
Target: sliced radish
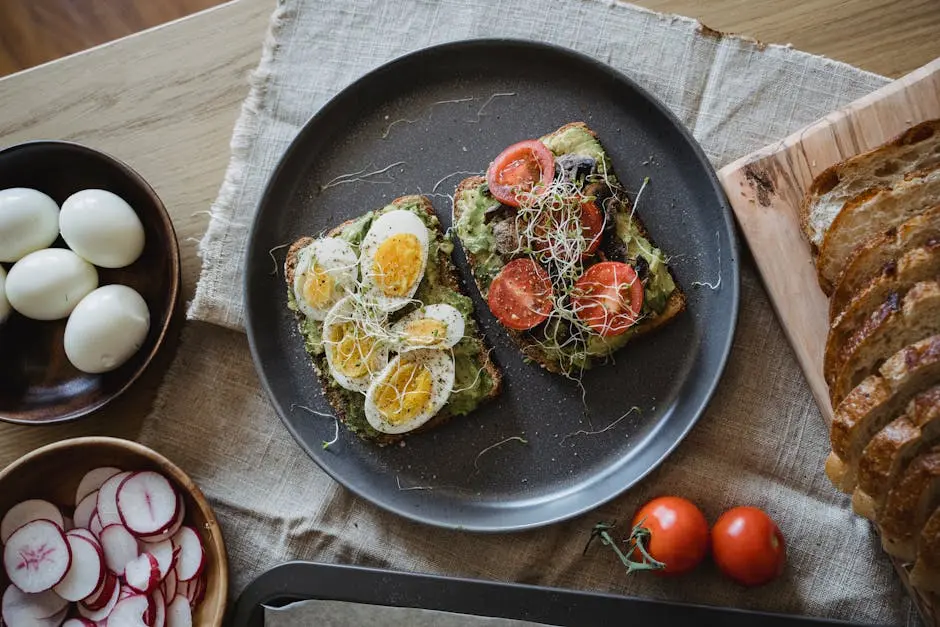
point(120, 547)
point(95, 526)
point(93, 480)
point(78, 531)
point(85, 509)
point(142, 574)
point(132, 611)
point(178, 613)
point(164, 552)
point(147, 503)
point(171, 585)
point(200, 592)
point(159, 606)
point(192, 557)
point(37, 556)
point(105, 610)
point(78, 622)
point(19, 608)
point(170, 531)
point(100, 597)
point(26, 512)
point(107, 499)
point(85, 574)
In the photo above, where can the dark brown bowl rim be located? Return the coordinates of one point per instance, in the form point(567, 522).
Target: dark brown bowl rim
point(174, 257)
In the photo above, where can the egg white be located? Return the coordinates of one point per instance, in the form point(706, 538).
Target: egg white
point(440, 365)
point(49, 283)
point(29, 221)
point(345, 311)
point(385, 226)
point(452, 320)
point(102, 228)
point(338, 259)
point(4, 303)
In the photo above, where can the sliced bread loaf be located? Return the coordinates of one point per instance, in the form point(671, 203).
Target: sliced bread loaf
point(910, 502)
point(925, 575)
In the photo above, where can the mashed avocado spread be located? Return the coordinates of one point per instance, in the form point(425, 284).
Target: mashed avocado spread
point(471, 381)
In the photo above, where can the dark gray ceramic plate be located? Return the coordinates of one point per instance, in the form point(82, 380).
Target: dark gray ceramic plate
point(441, 477)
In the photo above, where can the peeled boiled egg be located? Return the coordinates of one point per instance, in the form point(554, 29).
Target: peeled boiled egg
point(393, 257)
point(410, 390)
point(351, 340)
point(102, 228)
point(431, 326)
point(326, 270)
point(29, 221)
point(107, 327)
point(49, 283)
point(4, 303)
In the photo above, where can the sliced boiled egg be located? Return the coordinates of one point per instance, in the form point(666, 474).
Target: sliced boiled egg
point(326, 270)
point(431, 326)
point(393, 257)
point(351, 340)
point(410, 390)
point(29, 221)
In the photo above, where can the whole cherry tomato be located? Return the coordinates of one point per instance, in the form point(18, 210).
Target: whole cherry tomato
point(748, 547)
point(678, 533)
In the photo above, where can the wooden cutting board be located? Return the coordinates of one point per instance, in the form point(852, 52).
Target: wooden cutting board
point(765, 189)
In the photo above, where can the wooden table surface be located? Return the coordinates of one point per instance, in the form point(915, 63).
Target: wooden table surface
point(166, 100)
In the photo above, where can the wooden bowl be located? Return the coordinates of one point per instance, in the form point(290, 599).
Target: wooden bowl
point(37, 382)
point(53, 472)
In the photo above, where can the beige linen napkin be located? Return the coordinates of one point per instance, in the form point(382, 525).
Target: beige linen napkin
point(761, 442)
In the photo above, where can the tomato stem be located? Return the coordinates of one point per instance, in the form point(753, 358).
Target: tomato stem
point(639, 535)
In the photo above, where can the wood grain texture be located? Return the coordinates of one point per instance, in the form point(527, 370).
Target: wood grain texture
point(766, 188)
point(39, 31)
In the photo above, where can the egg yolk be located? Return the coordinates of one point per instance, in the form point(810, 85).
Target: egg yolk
point(318, 287)
point(404, 394)
point(354, 352)
point(425, 332)
point(397, 264)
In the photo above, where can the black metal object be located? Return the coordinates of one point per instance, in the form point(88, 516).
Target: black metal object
point(417, 112)
point(296, 581)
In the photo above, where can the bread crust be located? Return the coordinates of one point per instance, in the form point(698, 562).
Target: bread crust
point(448, 276)
point(910, 502)
point(675, 304)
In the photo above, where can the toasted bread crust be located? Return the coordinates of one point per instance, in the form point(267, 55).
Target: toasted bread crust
point(909, 503)
point(524, 341)
point(449, 278)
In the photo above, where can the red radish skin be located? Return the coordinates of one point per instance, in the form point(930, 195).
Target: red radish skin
point(132, 611)
point(26, 512)
point(142, 574)
point(107, 499)
point(102, 595)
point(79, 622)
point(85, 534)
point(170, 531)
point(171, 585)
point(95, 526)
point(192, 557)
point(147, 503)
point(93, 480)
point(86, 572)
point(20, 608)
point(200, 593)
point(178, 613)
point(36, 557)
point(104, 611)
point(120, 547)
point(85, 509)
point(164, 552)
point(159, 606)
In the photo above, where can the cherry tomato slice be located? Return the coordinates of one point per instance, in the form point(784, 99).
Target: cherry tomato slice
point(748, 546)
point(678, 533)
point(519, 168)
point(549, 228)
point(608, 297)
point(592, 225)
point(521, 294)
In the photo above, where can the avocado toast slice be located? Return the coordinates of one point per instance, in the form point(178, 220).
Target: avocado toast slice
point(477, 379)
point(489, 232)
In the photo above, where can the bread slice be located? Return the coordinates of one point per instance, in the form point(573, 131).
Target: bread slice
point(346, 403)
point(913, 150)
point(919, 264)
point(526, 341)
point(910, 502)
point(892, 449)
point(879, 256)
point(895, 324)
point(872, 213)
point(925, 575)
point(875, 402)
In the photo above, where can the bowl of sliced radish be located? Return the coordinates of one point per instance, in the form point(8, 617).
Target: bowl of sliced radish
point(103, 531)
